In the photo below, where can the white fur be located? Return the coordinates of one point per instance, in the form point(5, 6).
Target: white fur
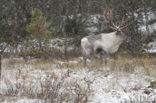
point(84, 44)
point(110, 43)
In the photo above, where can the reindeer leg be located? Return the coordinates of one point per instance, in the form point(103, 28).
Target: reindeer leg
point(85, 59)
point(105, 56)
point(114, 56)
point(101, 58)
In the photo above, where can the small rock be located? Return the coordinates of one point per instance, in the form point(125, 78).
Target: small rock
point(152, 84)
point(147, 91)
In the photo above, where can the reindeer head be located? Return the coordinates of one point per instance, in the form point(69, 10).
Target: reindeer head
point(107, 16)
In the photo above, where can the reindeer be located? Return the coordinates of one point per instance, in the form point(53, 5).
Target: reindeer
point(105, 43)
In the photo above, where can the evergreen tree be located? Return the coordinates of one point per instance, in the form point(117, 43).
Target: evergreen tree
point(39, 32)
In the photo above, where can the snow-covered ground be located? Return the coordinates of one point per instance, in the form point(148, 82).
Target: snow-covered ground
point(56, 43)
point(102, 85)
point(151, 47)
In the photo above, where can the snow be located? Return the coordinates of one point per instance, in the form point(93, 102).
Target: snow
point(110, 90)
point(152, 28)
point(107, 86)
point(151, 47)
point(92, 29)
point(69, 62)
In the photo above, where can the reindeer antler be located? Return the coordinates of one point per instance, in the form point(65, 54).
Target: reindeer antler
point(123, 23)
point(109, 13)
point(110, 22)
point(103, 16)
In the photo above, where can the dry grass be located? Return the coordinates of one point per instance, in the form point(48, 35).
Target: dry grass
point(131, 64)
point(72, 91)
point(122, 63)
point(50, 88)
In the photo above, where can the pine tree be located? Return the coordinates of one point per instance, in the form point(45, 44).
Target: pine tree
point(39, 31)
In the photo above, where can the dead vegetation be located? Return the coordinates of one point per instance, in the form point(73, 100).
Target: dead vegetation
point(50, 88)
point(53, 87)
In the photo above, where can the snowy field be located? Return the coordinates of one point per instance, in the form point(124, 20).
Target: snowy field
point(37, 81)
